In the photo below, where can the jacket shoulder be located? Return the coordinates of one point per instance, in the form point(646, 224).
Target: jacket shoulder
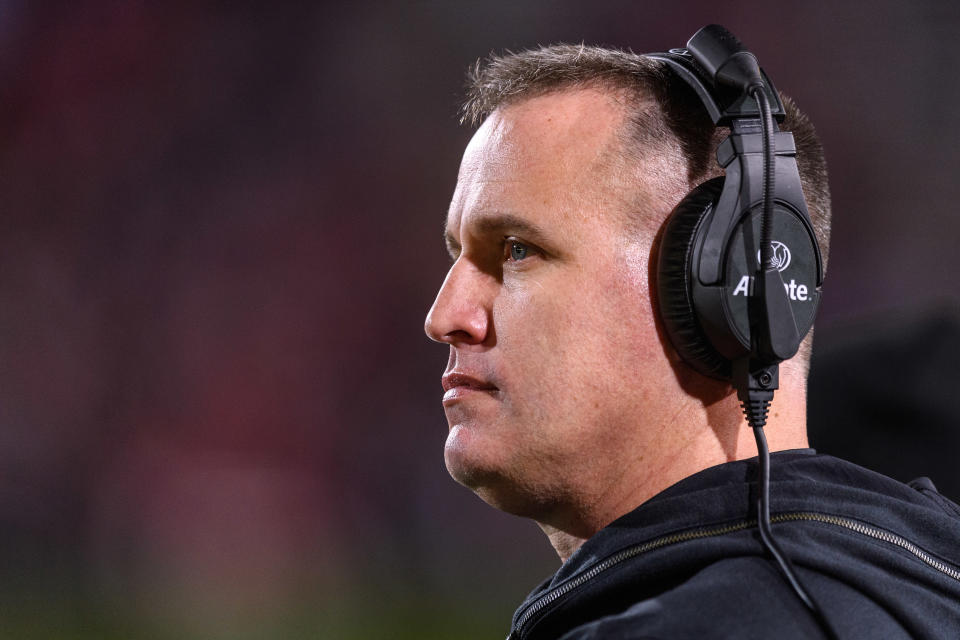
point(740, 598)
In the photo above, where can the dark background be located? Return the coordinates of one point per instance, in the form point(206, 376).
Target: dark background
point(220, 231)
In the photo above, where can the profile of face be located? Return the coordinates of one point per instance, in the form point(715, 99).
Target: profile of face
point(553, 383)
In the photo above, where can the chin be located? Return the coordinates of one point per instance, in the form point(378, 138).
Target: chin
point(500, 483)
point(465, 459)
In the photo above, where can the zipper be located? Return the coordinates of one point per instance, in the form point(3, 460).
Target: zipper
point(873, 532)
point(685, 536)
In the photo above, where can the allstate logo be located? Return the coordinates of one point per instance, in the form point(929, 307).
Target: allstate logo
point(781, 256)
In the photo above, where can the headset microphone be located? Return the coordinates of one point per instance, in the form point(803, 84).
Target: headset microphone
point(739, 270)
point(724, 59)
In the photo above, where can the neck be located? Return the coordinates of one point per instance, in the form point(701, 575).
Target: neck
point(563, 543)
point(715, 433)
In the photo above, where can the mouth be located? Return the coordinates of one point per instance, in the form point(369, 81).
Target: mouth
point(457, 386)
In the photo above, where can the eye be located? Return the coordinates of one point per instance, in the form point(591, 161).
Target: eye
point(516, 251)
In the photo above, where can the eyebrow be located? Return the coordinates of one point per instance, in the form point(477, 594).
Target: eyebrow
point(499, 223)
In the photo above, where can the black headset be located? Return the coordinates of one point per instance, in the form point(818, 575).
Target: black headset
point(716, 307)
point(739, 270)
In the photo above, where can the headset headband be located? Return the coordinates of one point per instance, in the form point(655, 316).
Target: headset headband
point(724, 104)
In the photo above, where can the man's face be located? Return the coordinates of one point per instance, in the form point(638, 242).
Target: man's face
point(553, 378)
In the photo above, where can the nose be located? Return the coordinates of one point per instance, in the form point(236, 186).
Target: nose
point(461, 312)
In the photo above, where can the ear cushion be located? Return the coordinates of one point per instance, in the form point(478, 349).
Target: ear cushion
point(675, 281)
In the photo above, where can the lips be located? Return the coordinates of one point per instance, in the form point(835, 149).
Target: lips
point(456, 379)
point(458, 385)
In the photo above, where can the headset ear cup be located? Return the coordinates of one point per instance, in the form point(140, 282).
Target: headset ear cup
point(675, 281)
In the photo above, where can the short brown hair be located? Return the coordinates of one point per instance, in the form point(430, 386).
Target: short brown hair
point(504, 79)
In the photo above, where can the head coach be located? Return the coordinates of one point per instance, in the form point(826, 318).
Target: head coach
point(637, 245)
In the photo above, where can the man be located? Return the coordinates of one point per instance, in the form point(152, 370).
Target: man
point(567, 404)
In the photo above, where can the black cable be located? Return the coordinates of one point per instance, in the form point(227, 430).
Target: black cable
point(756, 411)
point(763, 520)
point(769, 176)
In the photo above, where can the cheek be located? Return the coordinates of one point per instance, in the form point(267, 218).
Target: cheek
point(571, 339)
point(627, 294)
point(612, 306)
point(536, 335)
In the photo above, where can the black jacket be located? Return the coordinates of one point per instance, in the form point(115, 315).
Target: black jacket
point(880, 557)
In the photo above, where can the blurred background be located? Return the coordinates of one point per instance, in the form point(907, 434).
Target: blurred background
point(220, 229)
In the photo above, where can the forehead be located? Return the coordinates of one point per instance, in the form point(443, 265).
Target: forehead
point(550, 157)
point(568, 125)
